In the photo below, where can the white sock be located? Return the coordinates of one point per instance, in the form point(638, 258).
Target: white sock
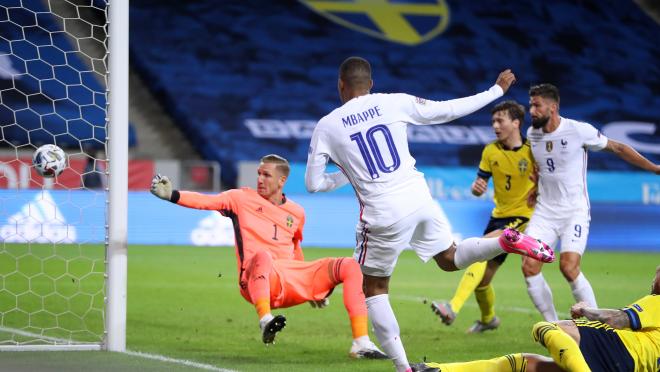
point(363, 341)
point(264, 320)
point(541, 295)
point(473, 250)
point(582, 291)
point(387, 331)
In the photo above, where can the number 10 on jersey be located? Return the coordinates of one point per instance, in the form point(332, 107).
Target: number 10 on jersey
point(372, 155)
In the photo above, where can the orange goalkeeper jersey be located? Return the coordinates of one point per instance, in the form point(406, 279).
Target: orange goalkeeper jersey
point(258, 224)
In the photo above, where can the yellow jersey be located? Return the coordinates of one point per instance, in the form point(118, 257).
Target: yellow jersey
point(643, 338)
point(510, 170)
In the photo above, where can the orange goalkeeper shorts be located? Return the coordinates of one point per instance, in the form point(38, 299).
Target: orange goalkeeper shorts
point(295, 282)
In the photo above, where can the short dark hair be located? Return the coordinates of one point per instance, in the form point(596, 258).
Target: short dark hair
point(515, 110)
point(545, 90)
point(355, 72)
point(281, 164)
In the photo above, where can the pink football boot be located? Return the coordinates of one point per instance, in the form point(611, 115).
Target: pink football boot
point(513, 241)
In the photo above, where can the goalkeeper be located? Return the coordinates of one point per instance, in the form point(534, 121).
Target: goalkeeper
point(272, 272)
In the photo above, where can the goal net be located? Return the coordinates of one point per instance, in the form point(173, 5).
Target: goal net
point(54, 231)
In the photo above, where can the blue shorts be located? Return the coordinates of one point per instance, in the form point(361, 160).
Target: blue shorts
point(603, 350)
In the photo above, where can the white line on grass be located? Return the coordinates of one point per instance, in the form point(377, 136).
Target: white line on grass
point(184, 362)
point(64, 341)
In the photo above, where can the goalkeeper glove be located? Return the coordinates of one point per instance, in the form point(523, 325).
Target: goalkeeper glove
point(320, 304)
point(161, 187)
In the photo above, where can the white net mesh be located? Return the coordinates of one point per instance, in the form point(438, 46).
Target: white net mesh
point(52, 90)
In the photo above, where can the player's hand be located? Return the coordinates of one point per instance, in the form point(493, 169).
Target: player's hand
point(479, 186)
point(532, 196)
point(506, 79)
point(161, 187)
point(320, 304)
point(576, 310)
point(534, 176)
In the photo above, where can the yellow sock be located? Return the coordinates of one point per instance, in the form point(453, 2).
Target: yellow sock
point(486, 299)
point(562, 347)
point(507, 363)
point(470, 280)
point(359, 326)
point(262, 306)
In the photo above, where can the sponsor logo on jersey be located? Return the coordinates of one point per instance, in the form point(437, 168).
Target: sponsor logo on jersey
point(522, 166)
point(638, 308)
point(410, 22)
point(548, 146)
point(420, 101)
point(260, 210)
point(564, 143)
point(289, 221)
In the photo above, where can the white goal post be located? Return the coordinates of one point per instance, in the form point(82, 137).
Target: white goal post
point(61, 287)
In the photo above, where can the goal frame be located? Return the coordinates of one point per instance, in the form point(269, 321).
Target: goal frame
point(116, 242)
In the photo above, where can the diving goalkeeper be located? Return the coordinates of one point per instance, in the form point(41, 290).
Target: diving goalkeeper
point(272, 272)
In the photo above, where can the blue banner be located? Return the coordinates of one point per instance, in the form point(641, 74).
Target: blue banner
point(79, 217)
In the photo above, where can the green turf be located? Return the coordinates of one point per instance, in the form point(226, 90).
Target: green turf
point(183, 302)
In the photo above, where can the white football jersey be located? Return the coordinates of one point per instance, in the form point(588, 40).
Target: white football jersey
point(367, 138)
point(562, 160)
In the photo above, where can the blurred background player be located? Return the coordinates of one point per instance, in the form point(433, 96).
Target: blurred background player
point(272, 271)
point(367, 138)
point(559, 146)
point(625, 340)
point(509, 161)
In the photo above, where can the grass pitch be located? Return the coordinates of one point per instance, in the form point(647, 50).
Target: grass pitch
point(183, 302)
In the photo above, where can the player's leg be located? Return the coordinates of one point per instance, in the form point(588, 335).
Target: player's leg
point(484, 293)
point(258, 275)
point(574, 242)
point(303, 281)
point(537, 287)
point(562, 344)
point(459, 256)
point(377, 252)
point(472, 277)
point(347, 271)
point(506, 363)
point(485, 296)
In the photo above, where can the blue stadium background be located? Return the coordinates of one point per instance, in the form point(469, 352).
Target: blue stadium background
point(247, 78)
point(216, 65)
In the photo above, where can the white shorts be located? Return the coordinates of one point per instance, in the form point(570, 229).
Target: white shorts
point(426, 231)
point(572, 231)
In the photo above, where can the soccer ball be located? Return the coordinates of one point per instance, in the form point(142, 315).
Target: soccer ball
point(49, 160)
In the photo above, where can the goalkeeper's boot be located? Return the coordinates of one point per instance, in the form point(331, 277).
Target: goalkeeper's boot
point(423, 367)
point(479, 326)
point(271, 328)
point(444, 311)
point(366, 350)
point(513, 241)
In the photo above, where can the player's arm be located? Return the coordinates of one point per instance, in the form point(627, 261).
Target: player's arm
point(480, 184)
point(436, 112)
point(617, 319)
point(316, 178)
point(297, 240)
point(630, 155)
point(161, 186)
